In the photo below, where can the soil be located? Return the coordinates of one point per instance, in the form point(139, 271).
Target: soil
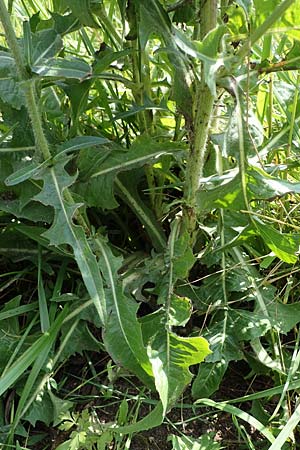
point(192, 422)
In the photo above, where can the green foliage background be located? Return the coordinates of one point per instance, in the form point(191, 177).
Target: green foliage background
point(149, 191)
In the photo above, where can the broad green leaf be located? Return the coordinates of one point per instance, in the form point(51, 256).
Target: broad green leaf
point(46, 44)
point(33, 211)
point(11, 92)
point(237, 19)
point(98, 171)
point(171, 356)
point(81, 339)
point(122, 334)
point(180, 311)
point(104, 59)
point(62, 68)
point(182, 258)
point(225, 191)
point(207, 51)
point(142, 151)
point(284, 246)
point(78, 94)
point(154, 19)
point(64, 231)
point(64, 24)
point(205, 442)
point(208, 379)
point(284, 316)
point(40, 410)
point(82, 10)
point(10, 89)
point(233, 328)
point(254, 134)
point(7, 62)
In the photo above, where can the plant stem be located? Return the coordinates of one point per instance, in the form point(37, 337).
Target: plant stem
point(28, 84)
point(35, 117)
point(202, 112)
point(12, 41)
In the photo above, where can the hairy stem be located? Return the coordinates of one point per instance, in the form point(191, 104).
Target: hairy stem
point(28, 84)
point(202, 112)
point(12, 41)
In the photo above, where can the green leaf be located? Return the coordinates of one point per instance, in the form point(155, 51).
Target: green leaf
point(11, 92)
point(171, 356)
point(81, 339)
point(26, 172)
point(41, 345)
point(288, 20)
point(98, 171)
point(284, 316)
point(284, 246)
point(208, 379)
point(47, 408)
point(205, 442)
point(80, 143)
point(46, 44)
point(82, 10)
point(122, 334)
point(233, 328)
point(142, 151)
point(104, 59)
point(64, 24)
point(126, 188)
point(154, 19)
point(225, 191)
point(62, 68)
point(63, 230)
point(152, 420)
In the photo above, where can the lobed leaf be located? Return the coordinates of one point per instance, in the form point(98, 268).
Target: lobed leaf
point(64, 231)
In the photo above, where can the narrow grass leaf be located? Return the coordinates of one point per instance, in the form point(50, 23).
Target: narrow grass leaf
point(240, 414)
point(286, 431)
point(128, 192)
point(41, 345)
